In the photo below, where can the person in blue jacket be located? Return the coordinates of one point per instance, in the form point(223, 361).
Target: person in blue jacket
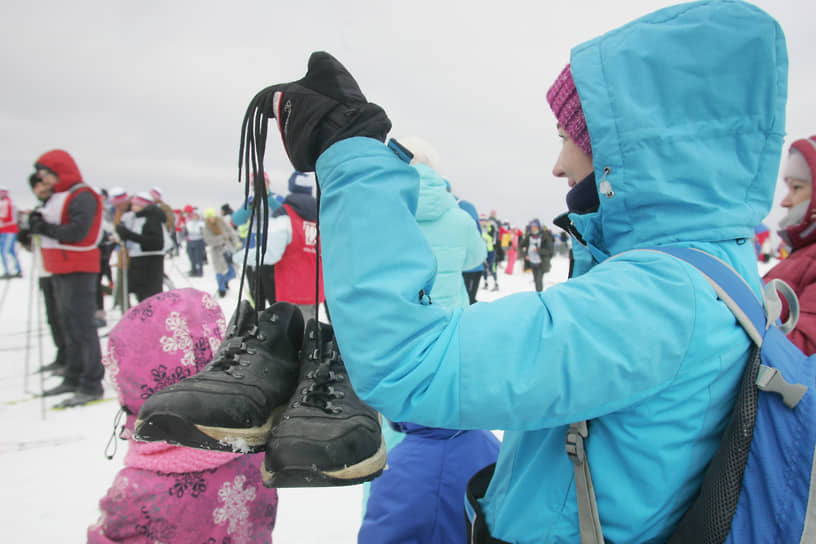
point(680, 115)
point(418, 498)
point(473, 276)
point(266, 275)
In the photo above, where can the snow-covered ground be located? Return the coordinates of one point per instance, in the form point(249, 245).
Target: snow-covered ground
point(53, 470)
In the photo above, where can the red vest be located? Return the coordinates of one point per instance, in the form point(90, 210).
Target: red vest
point(68, 257)
point(8, 216)
point(295, 271)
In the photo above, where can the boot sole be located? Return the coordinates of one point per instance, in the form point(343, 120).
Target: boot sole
point(311, 476)
point(180, 431)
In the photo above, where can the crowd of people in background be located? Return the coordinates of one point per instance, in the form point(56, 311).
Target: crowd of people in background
point(139, 231)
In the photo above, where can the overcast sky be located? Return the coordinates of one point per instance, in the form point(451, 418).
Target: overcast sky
point(154, 92)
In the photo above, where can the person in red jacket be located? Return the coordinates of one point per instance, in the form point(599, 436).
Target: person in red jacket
point(292, 246)
point(70, 229)
point(8, 235)
point(798, 231)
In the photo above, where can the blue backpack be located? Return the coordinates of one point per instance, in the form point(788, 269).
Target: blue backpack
point(760, 485)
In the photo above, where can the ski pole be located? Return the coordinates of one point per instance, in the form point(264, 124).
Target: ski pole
point(31, 301)
point(125, 273)
point(40, 304)
point(5, 292)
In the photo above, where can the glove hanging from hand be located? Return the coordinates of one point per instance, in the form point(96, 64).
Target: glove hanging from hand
point(322, 108)
point(24, 238)
point(36, 223)
point(123, 232)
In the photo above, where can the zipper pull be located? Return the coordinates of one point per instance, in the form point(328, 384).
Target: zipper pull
point(605, 187)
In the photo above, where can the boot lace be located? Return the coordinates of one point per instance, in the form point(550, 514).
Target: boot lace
point(229, 356)
point(321, 392)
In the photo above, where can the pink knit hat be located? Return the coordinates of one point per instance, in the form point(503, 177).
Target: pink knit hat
point(164, 339)
point(566, 104)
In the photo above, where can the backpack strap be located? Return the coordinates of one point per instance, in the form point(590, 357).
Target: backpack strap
point(738, 296)
point(588, 519)
point(746, 307)
point(729, 286)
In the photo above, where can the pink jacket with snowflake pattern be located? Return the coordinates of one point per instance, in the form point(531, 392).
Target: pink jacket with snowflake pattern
point(166, 493)
point(223, 505)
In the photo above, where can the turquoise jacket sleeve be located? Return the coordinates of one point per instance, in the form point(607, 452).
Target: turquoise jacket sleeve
point(527, 361)
point(241, 215)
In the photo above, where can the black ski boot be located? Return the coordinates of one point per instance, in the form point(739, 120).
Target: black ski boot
point(233, 403)
point(327, 436)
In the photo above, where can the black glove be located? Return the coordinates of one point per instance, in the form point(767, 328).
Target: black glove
point(123, 232)
point(324, 107)
point(36, 223)
point(24, 238)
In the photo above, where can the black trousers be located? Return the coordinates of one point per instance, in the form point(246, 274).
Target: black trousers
point(105, 272)
point(75, 295)
point(146, 276)
point(47, 288)
point(472, 284)
point(538, 276)
point(267, 278)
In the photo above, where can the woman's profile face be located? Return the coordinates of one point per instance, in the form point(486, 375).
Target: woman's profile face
point(572, 162)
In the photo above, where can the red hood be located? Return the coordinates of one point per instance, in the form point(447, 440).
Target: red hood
point(62, 164)
point(804, 233)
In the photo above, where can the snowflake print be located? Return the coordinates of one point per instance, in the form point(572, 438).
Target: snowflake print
point(188, 359)
point(118, 491)
point(155, 529)
point(180, 340)
point(162, 378)
point(176, 324)
point(209, 302)
point(235, 510)
point(214, 336)
point(142, 314)
point(215, 343)
point(111, 364)
point(203, 353)
point(194, 481)
point(168, 295)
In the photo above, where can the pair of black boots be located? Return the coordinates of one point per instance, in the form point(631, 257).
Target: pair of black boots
point(276, 387)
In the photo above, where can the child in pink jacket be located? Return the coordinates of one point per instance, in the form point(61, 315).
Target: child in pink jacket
point(165, 493)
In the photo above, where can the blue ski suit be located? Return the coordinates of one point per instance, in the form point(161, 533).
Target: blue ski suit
point(686, 113)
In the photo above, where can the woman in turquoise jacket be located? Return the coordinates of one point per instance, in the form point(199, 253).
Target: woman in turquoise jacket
point(456, 245)
point(685, 110)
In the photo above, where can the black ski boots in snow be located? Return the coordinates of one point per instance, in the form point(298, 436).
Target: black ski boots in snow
point(327, 436)
point(236, 400)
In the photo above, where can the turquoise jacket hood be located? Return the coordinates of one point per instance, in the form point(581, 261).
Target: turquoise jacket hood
point(664, 129)
point(434, 198)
